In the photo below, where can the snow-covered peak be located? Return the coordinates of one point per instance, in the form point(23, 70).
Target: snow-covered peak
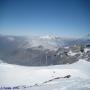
point(47, 42)
point(49, 37)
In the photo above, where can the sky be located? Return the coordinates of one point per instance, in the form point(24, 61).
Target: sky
point(66, 18)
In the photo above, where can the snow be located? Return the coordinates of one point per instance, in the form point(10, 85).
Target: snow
point(66, 47)
point(15, 75)
point(49, 37)
point(71, 53)
point(86, 50)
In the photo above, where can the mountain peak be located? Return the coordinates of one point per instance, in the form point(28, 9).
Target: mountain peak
point(50, 37)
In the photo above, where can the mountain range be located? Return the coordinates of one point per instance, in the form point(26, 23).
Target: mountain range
point(41, 50)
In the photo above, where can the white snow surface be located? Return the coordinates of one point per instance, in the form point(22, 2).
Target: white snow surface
point(33, 77)
point(70, 53)
point(86, 50)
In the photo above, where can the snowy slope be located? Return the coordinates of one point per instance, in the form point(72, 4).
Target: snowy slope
point(33, 78)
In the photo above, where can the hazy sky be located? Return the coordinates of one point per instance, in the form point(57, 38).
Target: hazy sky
point(41, 17)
